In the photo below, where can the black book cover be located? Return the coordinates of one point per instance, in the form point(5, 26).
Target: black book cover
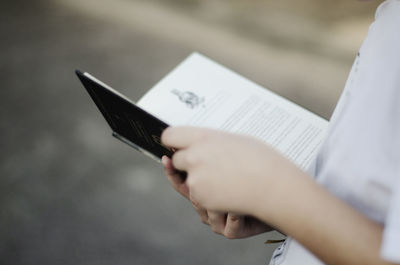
point(129, 123)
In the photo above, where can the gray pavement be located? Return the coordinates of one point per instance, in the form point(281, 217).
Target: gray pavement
point(69, 192)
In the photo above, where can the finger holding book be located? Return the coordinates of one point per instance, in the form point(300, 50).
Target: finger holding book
point(227, 224)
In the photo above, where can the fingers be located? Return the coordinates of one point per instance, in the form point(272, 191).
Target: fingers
point(169, 169)
point(217, 222)
point(179, 185)
point(256, 226)
point(181, 137)
point(174, 177)
point(234, 226)
point(244, 226)
point(202, 213)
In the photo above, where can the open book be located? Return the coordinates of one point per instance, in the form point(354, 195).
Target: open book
point(200, 92)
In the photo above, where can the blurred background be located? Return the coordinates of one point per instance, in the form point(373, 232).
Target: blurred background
point(69, 192)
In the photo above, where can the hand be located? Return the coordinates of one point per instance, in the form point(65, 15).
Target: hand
point(228, 172)
point(229, 225)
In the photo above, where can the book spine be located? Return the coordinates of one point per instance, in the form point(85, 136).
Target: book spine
point(126, 141)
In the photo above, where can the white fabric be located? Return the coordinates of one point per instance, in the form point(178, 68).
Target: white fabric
point(360, 159)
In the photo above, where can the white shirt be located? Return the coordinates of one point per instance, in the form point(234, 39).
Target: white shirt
point(359, 161)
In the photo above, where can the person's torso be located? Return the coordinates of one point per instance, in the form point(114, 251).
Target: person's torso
point(355, 161)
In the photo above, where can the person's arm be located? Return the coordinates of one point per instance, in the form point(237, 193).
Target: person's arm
point(328, 227)
point(231, 173)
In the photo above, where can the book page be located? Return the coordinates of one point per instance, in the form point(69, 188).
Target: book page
point(200, 92)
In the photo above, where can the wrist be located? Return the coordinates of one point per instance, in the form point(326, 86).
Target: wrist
point(278, 198)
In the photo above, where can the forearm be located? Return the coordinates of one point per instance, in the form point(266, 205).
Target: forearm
point(328, 227)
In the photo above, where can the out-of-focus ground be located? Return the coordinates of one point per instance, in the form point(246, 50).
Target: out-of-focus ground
point(69, 192)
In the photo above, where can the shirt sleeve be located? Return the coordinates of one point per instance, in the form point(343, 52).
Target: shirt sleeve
point(388, 24)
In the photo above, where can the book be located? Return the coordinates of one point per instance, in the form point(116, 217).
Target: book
point(201, 92)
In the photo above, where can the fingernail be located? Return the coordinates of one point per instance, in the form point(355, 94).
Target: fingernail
point(164, 160)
